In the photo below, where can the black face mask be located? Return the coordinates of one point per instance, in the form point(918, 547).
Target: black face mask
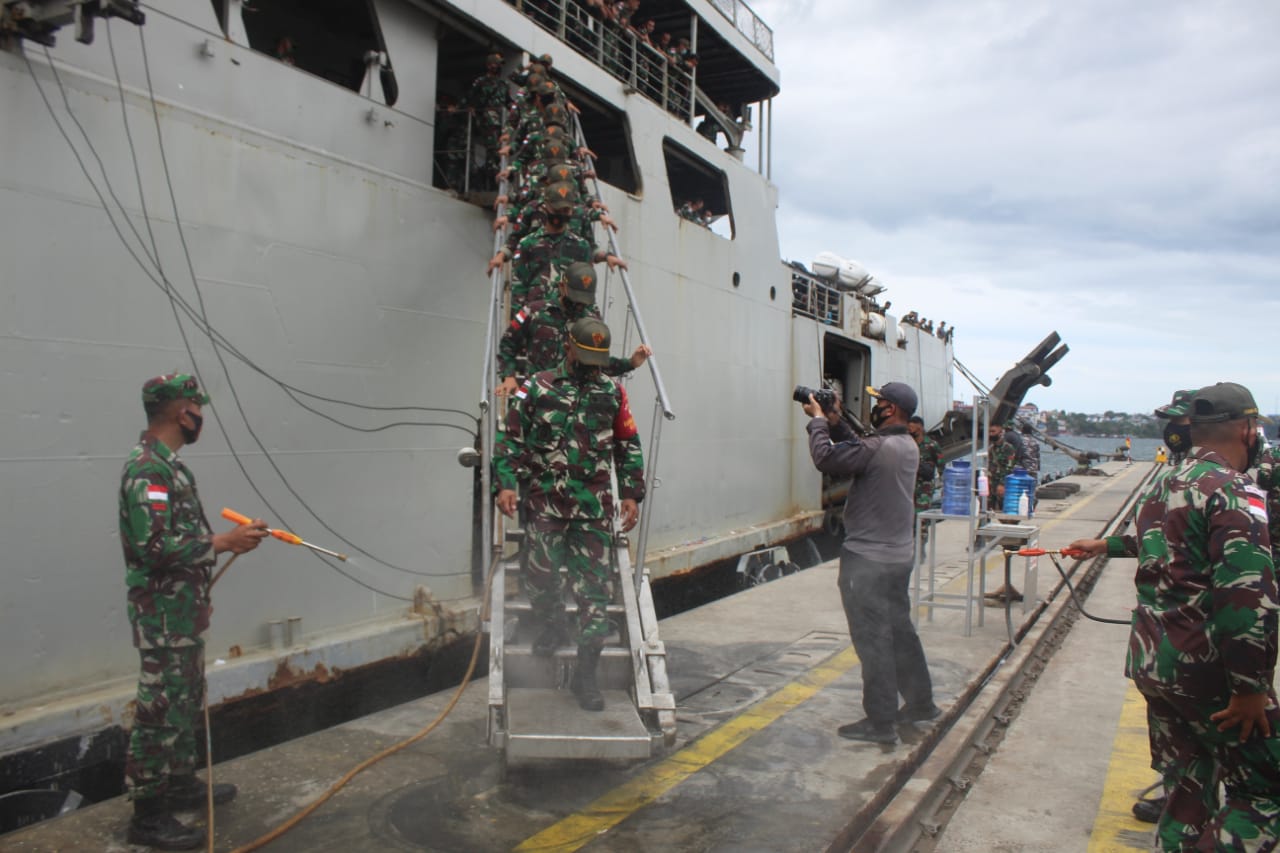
point(1178, 438)
point(584, 371)
point(1255, 450)
point(879, 415)
point(556, 220)
point(191, 436)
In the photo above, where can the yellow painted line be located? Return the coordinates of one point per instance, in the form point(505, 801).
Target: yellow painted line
point(616, 806)
point(1115, 828)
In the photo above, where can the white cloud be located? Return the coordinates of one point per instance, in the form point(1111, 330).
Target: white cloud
point(1108, 170)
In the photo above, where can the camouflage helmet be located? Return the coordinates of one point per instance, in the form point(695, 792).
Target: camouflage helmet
point(1178, 407)
point(562, 171)
point(580, 282)
point(173, 386)
point(554, 113)
point(545, 59)
point(560, 196)
point(589, 338)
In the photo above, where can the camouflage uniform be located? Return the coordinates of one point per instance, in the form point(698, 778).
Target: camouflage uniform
point(1001, 460)
point(538, 258)
point(1203, 629)
point(930, 454)
point(537, 332)
point(1269, 482)
point(487, 100)
point(168, 553)
point(561, 436)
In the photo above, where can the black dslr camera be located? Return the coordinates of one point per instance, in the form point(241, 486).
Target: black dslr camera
point(825, 397)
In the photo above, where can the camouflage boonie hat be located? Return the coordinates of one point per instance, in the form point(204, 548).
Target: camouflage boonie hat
point(173, 386)
point(580, 279)
point(1178, 407)
point(1225, 401)
point(590, 339)
point(560, 196)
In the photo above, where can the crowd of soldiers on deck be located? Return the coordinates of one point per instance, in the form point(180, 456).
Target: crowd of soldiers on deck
point(925, 325)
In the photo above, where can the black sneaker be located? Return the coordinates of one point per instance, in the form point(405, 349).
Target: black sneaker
point(869, 731)
point(919, 714)
point(1149, 811)
point(164, 832)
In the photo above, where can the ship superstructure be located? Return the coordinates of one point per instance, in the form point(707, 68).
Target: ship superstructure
point(260, 192)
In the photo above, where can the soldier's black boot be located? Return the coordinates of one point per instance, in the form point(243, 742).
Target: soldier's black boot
point(154, 826)
point(583, 684)
point(188, 792)
point(552, 637)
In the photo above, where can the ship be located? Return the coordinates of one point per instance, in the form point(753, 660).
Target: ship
point(260, 192)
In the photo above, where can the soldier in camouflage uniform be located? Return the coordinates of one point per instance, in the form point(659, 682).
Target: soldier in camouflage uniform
point(550, 247)
point(1269, 481)
point(1202, 649)
point(1177, 433)
point(1002, 457)
point(930, 454)
point(567, 428)
point(487, 101)
point(169, 549)
point(538, 331)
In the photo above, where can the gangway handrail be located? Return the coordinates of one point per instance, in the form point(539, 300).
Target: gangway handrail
point(488, 405)
point(651, 463)
point(615, 249)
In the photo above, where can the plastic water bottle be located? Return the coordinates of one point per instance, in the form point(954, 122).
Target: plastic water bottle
point(1024, 506)
point(955, 488)
point(984, 487)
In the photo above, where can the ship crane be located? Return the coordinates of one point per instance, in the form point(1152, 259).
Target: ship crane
point(38, 20)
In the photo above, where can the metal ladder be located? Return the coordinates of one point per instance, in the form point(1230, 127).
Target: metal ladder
point(532, 714)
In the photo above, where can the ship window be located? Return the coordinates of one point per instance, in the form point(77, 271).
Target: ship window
point(699, 191)
point(608, 135)
point(338, 40)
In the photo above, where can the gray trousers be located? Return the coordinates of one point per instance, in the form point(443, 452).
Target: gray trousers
point(878, 608)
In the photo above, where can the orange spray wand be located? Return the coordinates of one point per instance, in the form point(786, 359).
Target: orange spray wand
point(282, 535)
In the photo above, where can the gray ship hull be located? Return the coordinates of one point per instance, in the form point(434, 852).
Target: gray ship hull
point(323, 253)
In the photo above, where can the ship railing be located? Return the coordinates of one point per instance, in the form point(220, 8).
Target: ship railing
point(811, 297)
point(457, 167)
point(748, 23)
point(489, 409)
point(662, 410)
point(619, 51)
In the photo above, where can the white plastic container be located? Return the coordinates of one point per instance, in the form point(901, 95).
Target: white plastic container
point(827, 265)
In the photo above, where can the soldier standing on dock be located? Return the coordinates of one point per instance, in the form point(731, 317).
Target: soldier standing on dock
point(568, 426)
point(169, 549)
point(1202, 648)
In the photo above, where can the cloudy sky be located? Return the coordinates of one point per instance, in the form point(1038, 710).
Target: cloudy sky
point(1107, 170)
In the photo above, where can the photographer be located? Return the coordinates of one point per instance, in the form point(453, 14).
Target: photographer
point(877, 556)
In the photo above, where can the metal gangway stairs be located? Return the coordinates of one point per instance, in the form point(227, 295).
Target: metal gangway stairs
point(532, 714)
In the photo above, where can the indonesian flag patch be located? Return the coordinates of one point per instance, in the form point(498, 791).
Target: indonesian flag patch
point(519, 319)
point(524, 389)
point(1257, 502)
point(158, 496)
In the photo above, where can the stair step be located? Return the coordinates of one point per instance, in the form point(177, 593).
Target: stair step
point(546, 723)
point(522, 605)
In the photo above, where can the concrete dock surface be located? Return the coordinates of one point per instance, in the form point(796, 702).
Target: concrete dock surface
point(762, 680)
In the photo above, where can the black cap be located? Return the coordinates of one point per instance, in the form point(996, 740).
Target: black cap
point(1224, 401)
point(898, 393)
